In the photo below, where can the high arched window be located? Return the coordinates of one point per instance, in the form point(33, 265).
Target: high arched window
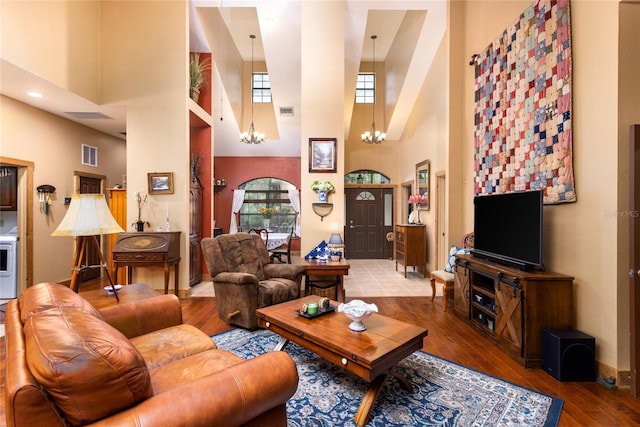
point(267, 199)
point(364, 176)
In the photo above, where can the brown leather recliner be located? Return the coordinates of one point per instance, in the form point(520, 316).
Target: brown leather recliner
point(134, 364)
point(245, 279)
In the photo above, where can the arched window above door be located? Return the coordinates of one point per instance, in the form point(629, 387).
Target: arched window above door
point(365, 176)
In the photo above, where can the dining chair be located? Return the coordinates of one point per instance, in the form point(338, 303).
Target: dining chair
point(262, 232)
point(283, 250)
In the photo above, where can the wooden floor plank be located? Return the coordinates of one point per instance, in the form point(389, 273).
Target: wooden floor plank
point(586, 403)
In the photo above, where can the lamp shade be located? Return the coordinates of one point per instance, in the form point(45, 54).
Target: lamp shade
point(88, 215)
point(335, 240)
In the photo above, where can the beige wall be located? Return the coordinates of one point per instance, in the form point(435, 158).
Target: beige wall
point(145, 54)
point(133, 53)
point(580, 239)
point(53, 144)
point(56, 40)
point(322, 85)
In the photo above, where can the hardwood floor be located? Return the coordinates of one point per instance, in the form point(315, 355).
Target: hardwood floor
point(585, 403)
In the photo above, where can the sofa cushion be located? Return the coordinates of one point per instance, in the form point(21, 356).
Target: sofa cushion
point(89, 368)
point(44, 296)
point(183, 371)
point(169, 344)
point(451, 262)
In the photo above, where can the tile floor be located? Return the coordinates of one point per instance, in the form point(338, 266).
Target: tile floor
point(368, 278)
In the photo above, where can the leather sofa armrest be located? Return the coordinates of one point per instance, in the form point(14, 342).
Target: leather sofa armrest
point(141, 317)
point(230, 397)
point(236, 278)
point(285, 271)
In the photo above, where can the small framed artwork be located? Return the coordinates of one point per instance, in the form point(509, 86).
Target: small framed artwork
point(160, 182)
point(322, 154)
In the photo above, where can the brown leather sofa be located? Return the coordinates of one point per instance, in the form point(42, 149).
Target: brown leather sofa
point(132, 364)
point(245, 278)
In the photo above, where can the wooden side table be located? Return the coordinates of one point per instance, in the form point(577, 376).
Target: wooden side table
point(329, 269)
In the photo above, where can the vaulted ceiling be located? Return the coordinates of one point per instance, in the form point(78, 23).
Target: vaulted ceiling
point(409, 32)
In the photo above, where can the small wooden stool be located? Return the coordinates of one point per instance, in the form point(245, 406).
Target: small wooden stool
point(446, 279)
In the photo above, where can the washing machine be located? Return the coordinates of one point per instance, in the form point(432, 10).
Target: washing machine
point(8, 266)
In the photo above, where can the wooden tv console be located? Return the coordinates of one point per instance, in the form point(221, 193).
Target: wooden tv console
point(512, 306)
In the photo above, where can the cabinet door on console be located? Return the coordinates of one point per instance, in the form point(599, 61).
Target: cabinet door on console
point(509, 331)
point(461, 291)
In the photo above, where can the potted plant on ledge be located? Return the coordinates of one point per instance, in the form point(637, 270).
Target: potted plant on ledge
point(323, 188)
point(198, 75)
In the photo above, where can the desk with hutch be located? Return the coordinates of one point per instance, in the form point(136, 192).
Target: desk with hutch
point(144, 249)
point(512, 306)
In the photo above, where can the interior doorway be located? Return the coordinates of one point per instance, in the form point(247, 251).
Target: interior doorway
point(91, 185)
point(369, 218)
point(25, 195)
point(442, 251)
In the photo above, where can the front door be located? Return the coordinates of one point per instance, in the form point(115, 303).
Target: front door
point(89, 185)
point(369, 218)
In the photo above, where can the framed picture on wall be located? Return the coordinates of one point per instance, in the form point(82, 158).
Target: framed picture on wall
point(322, 154)
point(422, 184)
point(160, 182)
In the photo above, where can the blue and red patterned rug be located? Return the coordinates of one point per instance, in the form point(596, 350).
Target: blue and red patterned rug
point(444, 393)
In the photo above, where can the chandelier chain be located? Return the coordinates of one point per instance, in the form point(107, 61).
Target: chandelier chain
point(373, 136)
point(252, 137)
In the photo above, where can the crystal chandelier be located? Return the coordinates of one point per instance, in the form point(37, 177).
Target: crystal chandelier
point(373, 136)
point(252, 137)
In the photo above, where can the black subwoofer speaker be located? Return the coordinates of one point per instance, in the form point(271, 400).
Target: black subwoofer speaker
point(569, 355)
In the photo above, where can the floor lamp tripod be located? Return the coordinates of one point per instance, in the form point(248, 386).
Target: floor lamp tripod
point(88, 217)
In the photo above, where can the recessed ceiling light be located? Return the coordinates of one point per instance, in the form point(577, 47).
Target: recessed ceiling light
point(34, 94)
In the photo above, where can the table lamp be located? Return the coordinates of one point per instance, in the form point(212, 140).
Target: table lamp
point(87, 217)
point(336, 244)
point(415, 199)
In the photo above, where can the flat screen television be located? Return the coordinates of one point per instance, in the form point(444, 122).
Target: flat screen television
point(508, 229)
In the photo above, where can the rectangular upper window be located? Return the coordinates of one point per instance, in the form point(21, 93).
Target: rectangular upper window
point(366, 88)
point(261, 88)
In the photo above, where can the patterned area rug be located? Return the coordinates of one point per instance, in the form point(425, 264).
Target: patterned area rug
point(444, 393)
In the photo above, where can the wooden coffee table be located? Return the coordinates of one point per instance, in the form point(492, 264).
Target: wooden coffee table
point(372, 354)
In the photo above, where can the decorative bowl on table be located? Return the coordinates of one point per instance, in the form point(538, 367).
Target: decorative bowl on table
point(109, 289)
point(357, 311)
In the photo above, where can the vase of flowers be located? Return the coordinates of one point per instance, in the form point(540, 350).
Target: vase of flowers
point(323, 188)
point(141, 201)
point(267, 213)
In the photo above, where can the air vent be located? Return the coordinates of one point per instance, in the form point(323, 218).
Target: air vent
point(286, 111)
point(89, 155)
point(89, 115)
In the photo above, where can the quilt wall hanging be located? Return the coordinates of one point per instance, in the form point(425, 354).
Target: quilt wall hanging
point(523, 106)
